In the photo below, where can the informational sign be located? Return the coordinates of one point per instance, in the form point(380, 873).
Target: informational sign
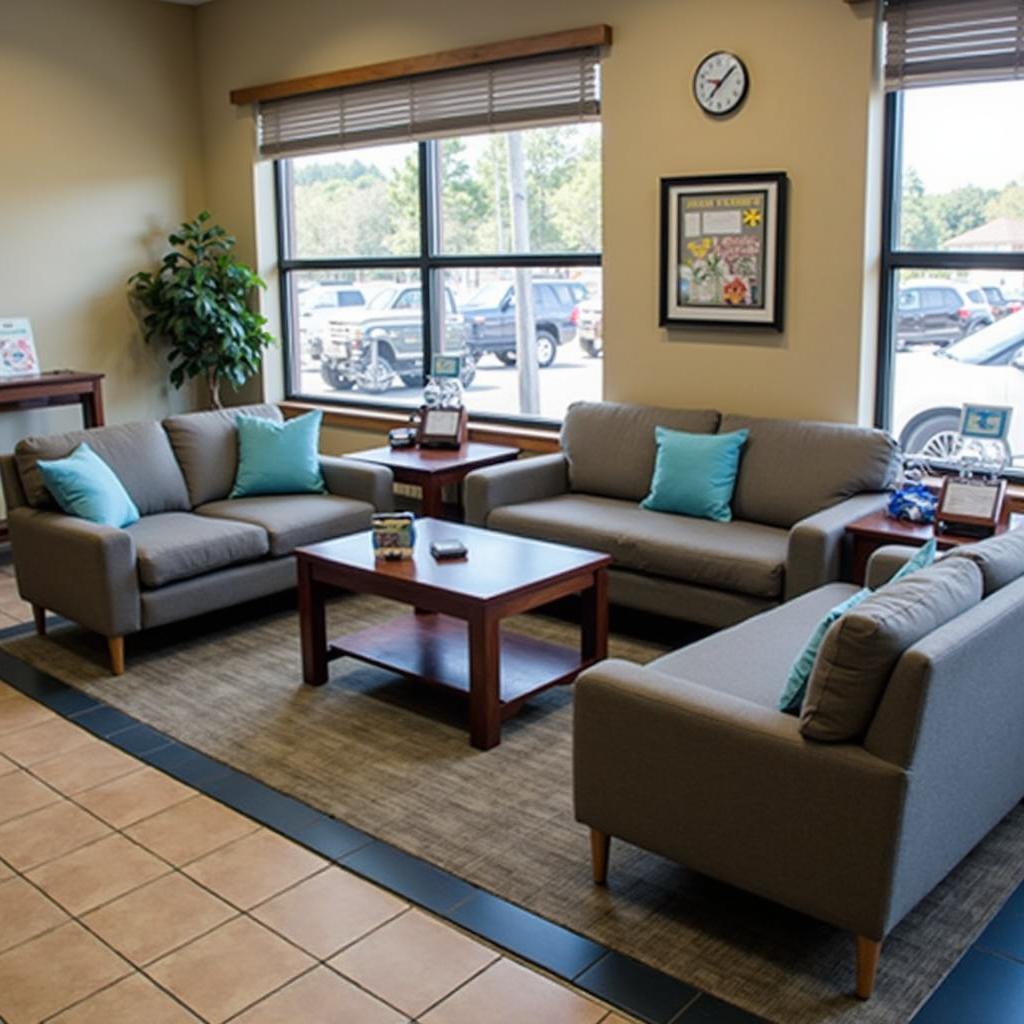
point(17, 348)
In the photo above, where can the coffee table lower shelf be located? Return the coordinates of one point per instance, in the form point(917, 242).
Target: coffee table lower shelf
point(433, 648)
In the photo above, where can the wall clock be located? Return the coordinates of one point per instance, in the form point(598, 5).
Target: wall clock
point(720, 83)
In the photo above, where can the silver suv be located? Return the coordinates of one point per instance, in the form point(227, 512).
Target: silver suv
point(931, 311)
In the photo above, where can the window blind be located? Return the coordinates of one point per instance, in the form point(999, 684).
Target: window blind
point(944, 42)
point(531, 91)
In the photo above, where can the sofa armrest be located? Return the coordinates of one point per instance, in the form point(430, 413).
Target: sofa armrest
point(731, 789)
point(83, 571)
point(511, 483)
point(364, 481)
point(816, 544)
point(883, 563)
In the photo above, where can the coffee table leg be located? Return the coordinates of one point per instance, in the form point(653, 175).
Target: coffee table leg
point(594, 619)
point(432, 502)
point(312, 627)
point(484, 681)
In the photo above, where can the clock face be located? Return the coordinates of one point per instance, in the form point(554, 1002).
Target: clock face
point(720, 83)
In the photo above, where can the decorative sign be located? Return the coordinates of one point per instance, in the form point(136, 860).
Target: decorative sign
point(446, 366)
point(17, 349)
point(985, 422)
point(394, 535)
point(722, 241)
point(972, 508)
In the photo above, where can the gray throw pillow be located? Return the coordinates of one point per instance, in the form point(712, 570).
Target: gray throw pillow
point(861, 649)
point(1000, 559)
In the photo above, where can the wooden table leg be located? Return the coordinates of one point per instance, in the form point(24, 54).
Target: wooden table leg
point(863, 548)
point(432, 502)
point(594, 619)
point(92, 406)
point(484, 681)
point(312, 626)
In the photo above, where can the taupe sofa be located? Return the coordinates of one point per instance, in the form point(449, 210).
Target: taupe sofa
point(193, 550)
point(688, 756)
point(799, 484)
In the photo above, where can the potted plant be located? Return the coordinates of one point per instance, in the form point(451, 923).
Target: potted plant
point(198, 302)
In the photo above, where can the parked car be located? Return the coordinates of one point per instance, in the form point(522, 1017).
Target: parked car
point(491, 318)
point(317, 305)
point(930, 388)
point(1002, 305)
point(373, 346)
point(589, 325)
point(936, 312)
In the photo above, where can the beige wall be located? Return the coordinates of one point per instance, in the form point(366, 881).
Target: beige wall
point(101, 158)
point(811, 112)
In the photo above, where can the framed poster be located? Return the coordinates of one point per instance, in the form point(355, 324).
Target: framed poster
point(985, 422)
point(17, 349)
point(722, 249)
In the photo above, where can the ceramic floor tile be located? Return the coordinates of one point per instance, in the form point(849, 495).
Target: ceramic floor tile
point(136, 1000)
point(507, 993)
point(328, 911)
point(47, 834)
point(413, 962)
point(20, 794)
point(131, 798)
point(19, 712)
point(97, 873)
point(85, 767)
point(320, 997)
point(25, 913)
point(46, 738)
point(191, 829)
point(229, 969)
point(254, 868)
point(54, 971)
point(158, 917)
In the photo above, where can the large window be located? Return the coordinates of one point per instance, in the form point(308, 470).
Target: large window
point(482, 245)
point(953, 289)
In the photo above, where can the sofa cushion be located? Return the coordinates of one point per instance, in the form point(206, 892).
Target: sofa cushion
point(1000, 559)
point(84, 485)
point(861, 649)
point(179, 545)
point(745, 558)
point(610, 448)
point(139, 454)
point(791, 469)
point(292, 520)
point(278, 458)
point(749, 660)
point(206, 445)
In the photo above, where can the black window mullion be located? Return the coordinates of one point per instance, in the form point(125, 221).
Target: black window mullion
point(892, 159)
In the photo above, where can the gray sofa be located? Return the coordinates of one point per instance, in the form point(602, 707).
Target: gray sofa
point(799, 484)
point(688, 756)
point(193, 550)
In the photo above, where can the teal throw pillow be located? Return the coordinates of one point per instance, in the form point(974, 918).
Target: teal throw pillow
point(83, 485)
point(796, 684)
point(278, 458)
point(924, 557)
point(695, 474)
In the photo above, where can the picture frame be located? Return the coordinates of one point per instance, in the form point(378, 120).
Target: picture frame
point(985, 422)
point(446, 367)
point(723, 250)
point(18, 357)
point(443, 427)
point(972, 508)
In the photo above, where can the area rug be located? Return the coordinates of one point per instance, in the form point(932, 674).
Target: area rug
point(394, 760)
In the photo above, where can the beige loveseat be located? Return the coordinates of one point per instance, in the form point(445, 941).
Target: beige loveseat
point(799, 485)
point(193, 550)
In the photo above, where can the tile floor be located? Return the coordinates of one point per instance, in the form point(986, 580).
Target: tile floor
point(127, 896)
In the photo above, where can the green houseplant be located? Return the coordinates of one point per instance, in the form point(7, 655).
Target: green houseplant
point(198, 303)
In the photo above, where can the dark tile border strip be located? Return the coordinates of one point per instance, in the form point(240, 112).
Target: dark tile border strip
point(633, 987)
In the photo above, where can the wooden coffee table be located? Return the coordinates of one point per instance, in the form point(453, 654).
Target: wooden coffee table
point(453, 637)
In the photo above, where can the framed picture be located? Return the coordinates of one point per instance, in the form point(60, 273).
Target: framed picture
point(722, 249)
point(986, 422)
point(446, 366)
point(970, 507)
point(17, 349)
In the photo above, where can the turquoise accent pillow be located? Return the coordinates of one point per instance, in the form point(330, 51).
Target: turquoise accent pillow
point(923, 558)
point(83, 485)
point(796, 683)
point(278, 458)
point(695, 474)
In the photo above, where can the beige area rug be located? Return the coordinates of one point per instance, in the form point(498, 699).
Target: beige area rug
point(394, 760)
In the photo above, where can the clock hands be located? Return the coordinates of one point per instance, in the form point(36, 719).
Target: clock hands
point(720, 82)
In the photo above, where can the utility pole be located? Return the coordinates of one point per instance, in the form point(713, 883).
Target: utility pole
point(526, 324)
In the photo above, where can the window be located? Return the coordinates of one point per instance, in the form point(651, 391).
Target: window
point(485, 245)
point(953, 259)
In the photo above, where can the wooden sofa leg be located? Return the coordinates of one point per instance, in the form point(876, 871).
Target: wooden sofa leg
point(599, 845)
point(116, 646)
point(39, 614)
point(868, 951)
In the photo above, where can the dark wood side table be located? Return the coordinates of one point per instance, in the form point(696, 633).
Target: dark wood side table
point(453, 636)
point(876, 530)
point(433, 469)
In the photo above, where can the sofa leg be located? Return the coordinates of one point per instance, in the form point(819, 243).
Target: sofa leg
point(599, 845)
point(39, 614)
point(868, 951)
point(116, 647)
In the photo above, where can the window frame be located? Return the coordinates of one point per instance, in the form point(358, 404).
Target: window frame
point(430, 265)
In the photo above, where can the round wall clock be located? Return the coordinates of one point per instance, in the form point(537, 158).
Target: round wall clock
point(720, 83)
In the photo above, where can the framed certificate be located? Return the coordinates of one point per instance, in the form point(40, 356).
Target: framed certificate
point(970, 507)
point(442, 428)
